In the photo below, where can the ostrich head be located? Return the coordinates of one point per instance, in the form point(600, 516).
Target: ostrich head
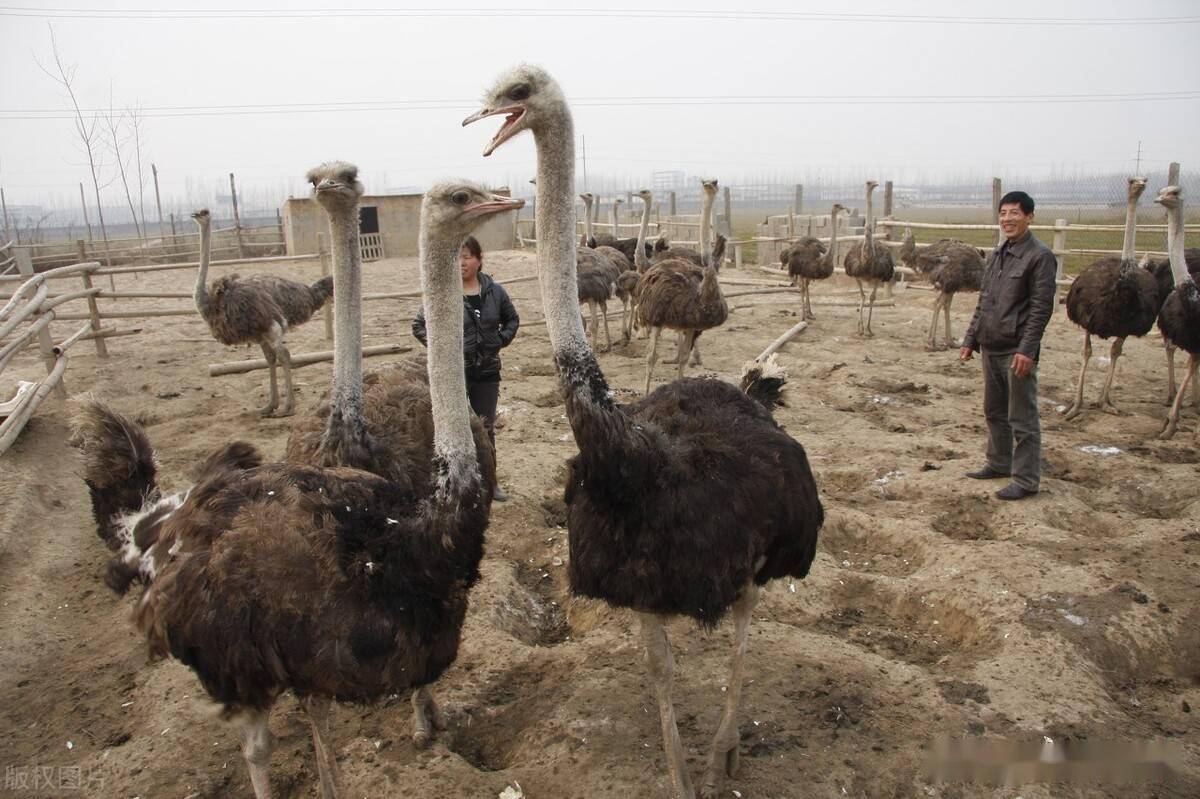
point(871, 184)
point(202, 217)
point(587, 198)
point(529, 97)
point(1169, 197)
point(459, 207)
point(335, 185)
point(709, 185)
point(838, 208)
point(643, 195)
point(1136, 187)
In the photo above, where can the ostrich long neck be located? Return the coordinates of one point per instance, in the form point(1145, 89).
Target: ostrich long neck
point(347, 393)
point(639, 255)
point(441, 283)
point(200, 293)
point(579, 374)
point(833, 236)
point(868, 229)
point(1175, 244)
point(1127, 248)
point(706, 227)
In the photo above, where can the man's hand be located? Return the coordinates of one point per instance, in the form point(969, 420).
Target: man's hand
point(1022, 365)
point(966, 354)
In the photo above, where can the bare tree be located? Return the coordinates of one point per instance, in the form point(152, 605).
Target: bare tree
point(118, 139)
point(86, 130)
point(137, 128)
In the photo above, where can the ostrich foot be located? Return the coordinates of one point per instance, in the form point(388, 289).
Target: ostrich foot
point(719, 768)
point(1075, 410)
point(1108, 407)
point(1169, 428)
point(808, 315)
point(268, 410)
point(427, 717)
point(672, 359)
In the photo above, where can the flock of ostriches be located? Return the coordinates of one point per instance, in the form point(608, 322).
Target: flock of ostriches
point(343, 573)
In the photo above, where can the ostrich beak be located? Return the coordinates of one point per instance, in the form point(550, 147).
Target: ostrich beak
point(507, 130)
point(495, 204)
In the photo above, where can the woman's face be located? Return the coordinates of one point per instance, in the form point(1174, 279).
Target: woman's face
point(469, 264)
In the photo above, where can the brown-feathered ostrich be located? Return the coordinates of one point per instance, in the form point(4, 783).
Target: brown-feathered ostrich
point(1179, 318)
point(259, 309)
point(709, 251)
point(333, 583)
point(1113, 298)
point(646, 529)
point(869, 263)
point(807, 259)
point(952, 266)
point(596, 286)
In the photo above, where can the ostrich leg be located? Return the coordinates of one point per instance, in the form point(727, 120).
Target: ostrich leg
point(1169, 349)
point(723, 757)
point(930, 343)
point(662, 670)
point(652, 355)
point(1173, 415)
point(1077, 406)
point(427, 717)
point(594, 327)
point(604, 316)
point(805, 298)
point(289, 398)
point(685, 348)
point(948, 298)
point(862, 300)
point(871, 309)
point(327, 767)
point(273, 398)
point(256, 748)
point(695, 348)
point(1114, 352)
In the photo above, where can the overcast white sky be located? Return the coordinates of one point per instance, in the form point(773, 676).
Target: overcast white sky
point(222, 62)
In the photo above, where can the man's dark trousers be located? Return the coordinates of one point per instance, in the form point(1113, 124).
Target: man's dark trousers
point(1010, 406)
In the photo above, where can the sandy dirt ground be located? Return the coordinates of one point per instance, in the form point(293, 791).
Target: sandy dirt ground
point(932, 608)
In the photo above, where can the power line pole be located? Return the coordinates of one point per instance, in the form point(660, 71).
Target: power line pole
point(583, 151)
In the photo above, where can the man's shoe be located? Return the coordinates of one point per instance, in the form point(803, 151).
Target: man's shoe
point(987, 473)
point(1013, 491)
point(498, 495)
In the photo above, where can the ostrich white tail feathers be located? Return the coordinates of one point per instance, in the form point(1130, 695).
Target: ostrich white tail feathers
point(764, 382)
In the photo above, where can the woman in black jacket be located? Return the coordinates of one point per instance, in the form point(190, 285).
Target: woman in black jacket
point(489, 324)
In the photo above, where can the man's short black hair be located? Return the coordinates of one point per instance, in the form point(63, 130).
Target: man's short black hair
point(1020, 198)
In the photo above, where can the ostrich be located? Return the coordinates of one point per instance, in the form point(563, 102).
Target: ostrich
point(952, 266)
point(624, 277)
point(1113, 298)
point(334, 583)
point(673, 546)
point(258, 309)
point(596, 286)
point(1166, 283)
point(867, 263)
point(1179, 319)
point(807, 260)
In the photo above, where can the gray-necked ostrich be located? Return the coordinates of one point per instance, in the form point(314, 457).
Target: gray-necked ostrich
point(625, 277)
point(952, 266)
point(646, 530)
point(1113, 298)
point(259, 309)
point(807, 259)
point(333, 583)
point(870, 263)
point(1166, 283)
point(1179, 318)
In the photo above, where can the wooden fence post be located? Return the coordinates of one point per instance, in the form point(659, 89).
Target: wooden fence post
point(323, 250)
point(162, 233)
point(672, 206)
point(799, 200)
point(237, 220)
point(4, 205)
point(93, 309)
point(1060, 244)
point(889, 209)
point(45, 343)
point(283, 238)
point(1173, 174)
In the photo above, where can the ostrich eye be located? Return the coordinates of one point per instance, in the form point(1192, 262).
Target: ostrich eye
point(460, 198)
point(520, 92)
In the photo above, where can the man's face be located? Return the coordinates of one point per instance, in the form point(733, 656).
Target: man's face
point(1013, 221)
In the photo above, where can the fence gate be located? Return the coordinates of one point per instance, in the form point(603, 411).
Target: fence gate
point(370, 246)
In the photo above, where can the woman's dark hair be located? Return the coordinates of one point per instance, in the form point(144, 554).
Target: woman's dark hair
point(1020, 198)
point(471, 245)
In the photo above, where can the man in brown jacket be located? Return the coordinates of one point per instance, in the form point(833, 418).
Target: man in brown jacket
point(1014, 308)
